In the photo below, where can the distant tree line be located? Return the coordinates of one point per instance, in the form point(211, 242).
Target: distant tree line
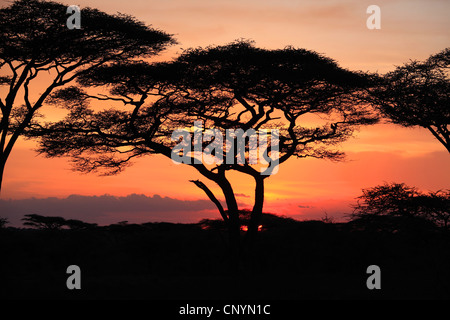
point(394, 202)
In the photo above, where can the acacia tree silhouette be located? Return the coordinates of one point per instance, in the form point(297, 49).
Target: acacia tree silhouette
point(42, 222)
point(227, 87)
point(400, 200)
point(417, 94)
point(54, 223)
point(39, 52)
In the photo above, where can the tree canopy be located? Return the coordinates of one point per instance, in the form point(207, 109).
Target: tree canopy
point(418, 94)
point(400, 200)
point(313, 103)
point(38, 53)
point(54, 223)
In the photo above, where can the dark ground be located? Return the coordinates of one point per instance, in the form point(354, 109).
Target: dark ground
point(292, 260)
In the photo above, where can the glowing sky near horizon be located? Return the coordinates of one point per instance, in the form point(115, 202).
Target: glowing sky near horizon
point(304, 188)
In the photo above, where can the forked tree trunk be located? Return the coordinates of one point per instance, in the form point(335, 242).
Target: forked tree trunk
point(231, 217)
point(240, 251)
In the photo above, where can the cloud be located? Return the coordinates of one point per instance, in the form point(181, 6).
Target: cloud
point(243, 195)
point(107, 209)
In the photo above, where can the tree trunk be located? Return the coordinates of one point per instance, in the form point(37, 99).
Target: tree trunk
point(212, 197)
point(255, 218)
point(234, 227)
point(2, 170)
point(253, 225)
point(232, 213)
point(237, 247)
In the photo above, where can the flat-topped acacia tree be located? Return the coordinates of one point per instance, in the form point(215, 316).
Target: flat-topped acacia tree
point(235, 86)
point(39, 53)
point(417, 94)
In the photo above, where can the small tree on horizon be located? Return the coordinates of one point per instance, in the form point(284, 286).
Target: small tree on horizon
point(3, 222)
point(55, 223)
point(43, 222)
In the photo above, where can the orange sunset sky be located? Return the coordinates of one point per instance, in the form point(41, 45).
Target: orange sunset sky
point(305, 188)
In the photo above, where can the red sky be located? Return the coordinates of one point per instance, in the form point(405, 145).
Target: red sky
point(304, 188)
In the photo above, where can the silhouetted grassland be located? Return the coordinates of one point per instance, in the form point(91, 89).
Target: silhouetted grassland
point(291, 260)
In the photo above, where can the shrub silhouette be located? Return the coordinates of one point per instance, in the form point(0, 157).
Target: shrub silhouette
point(3, 222)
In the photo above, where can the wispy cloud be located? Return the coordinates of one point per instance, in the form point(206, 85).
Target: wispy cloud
point(242, 195)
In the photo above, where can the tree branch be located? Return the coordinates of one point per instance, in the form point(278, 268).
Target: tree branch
point(211, 196)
